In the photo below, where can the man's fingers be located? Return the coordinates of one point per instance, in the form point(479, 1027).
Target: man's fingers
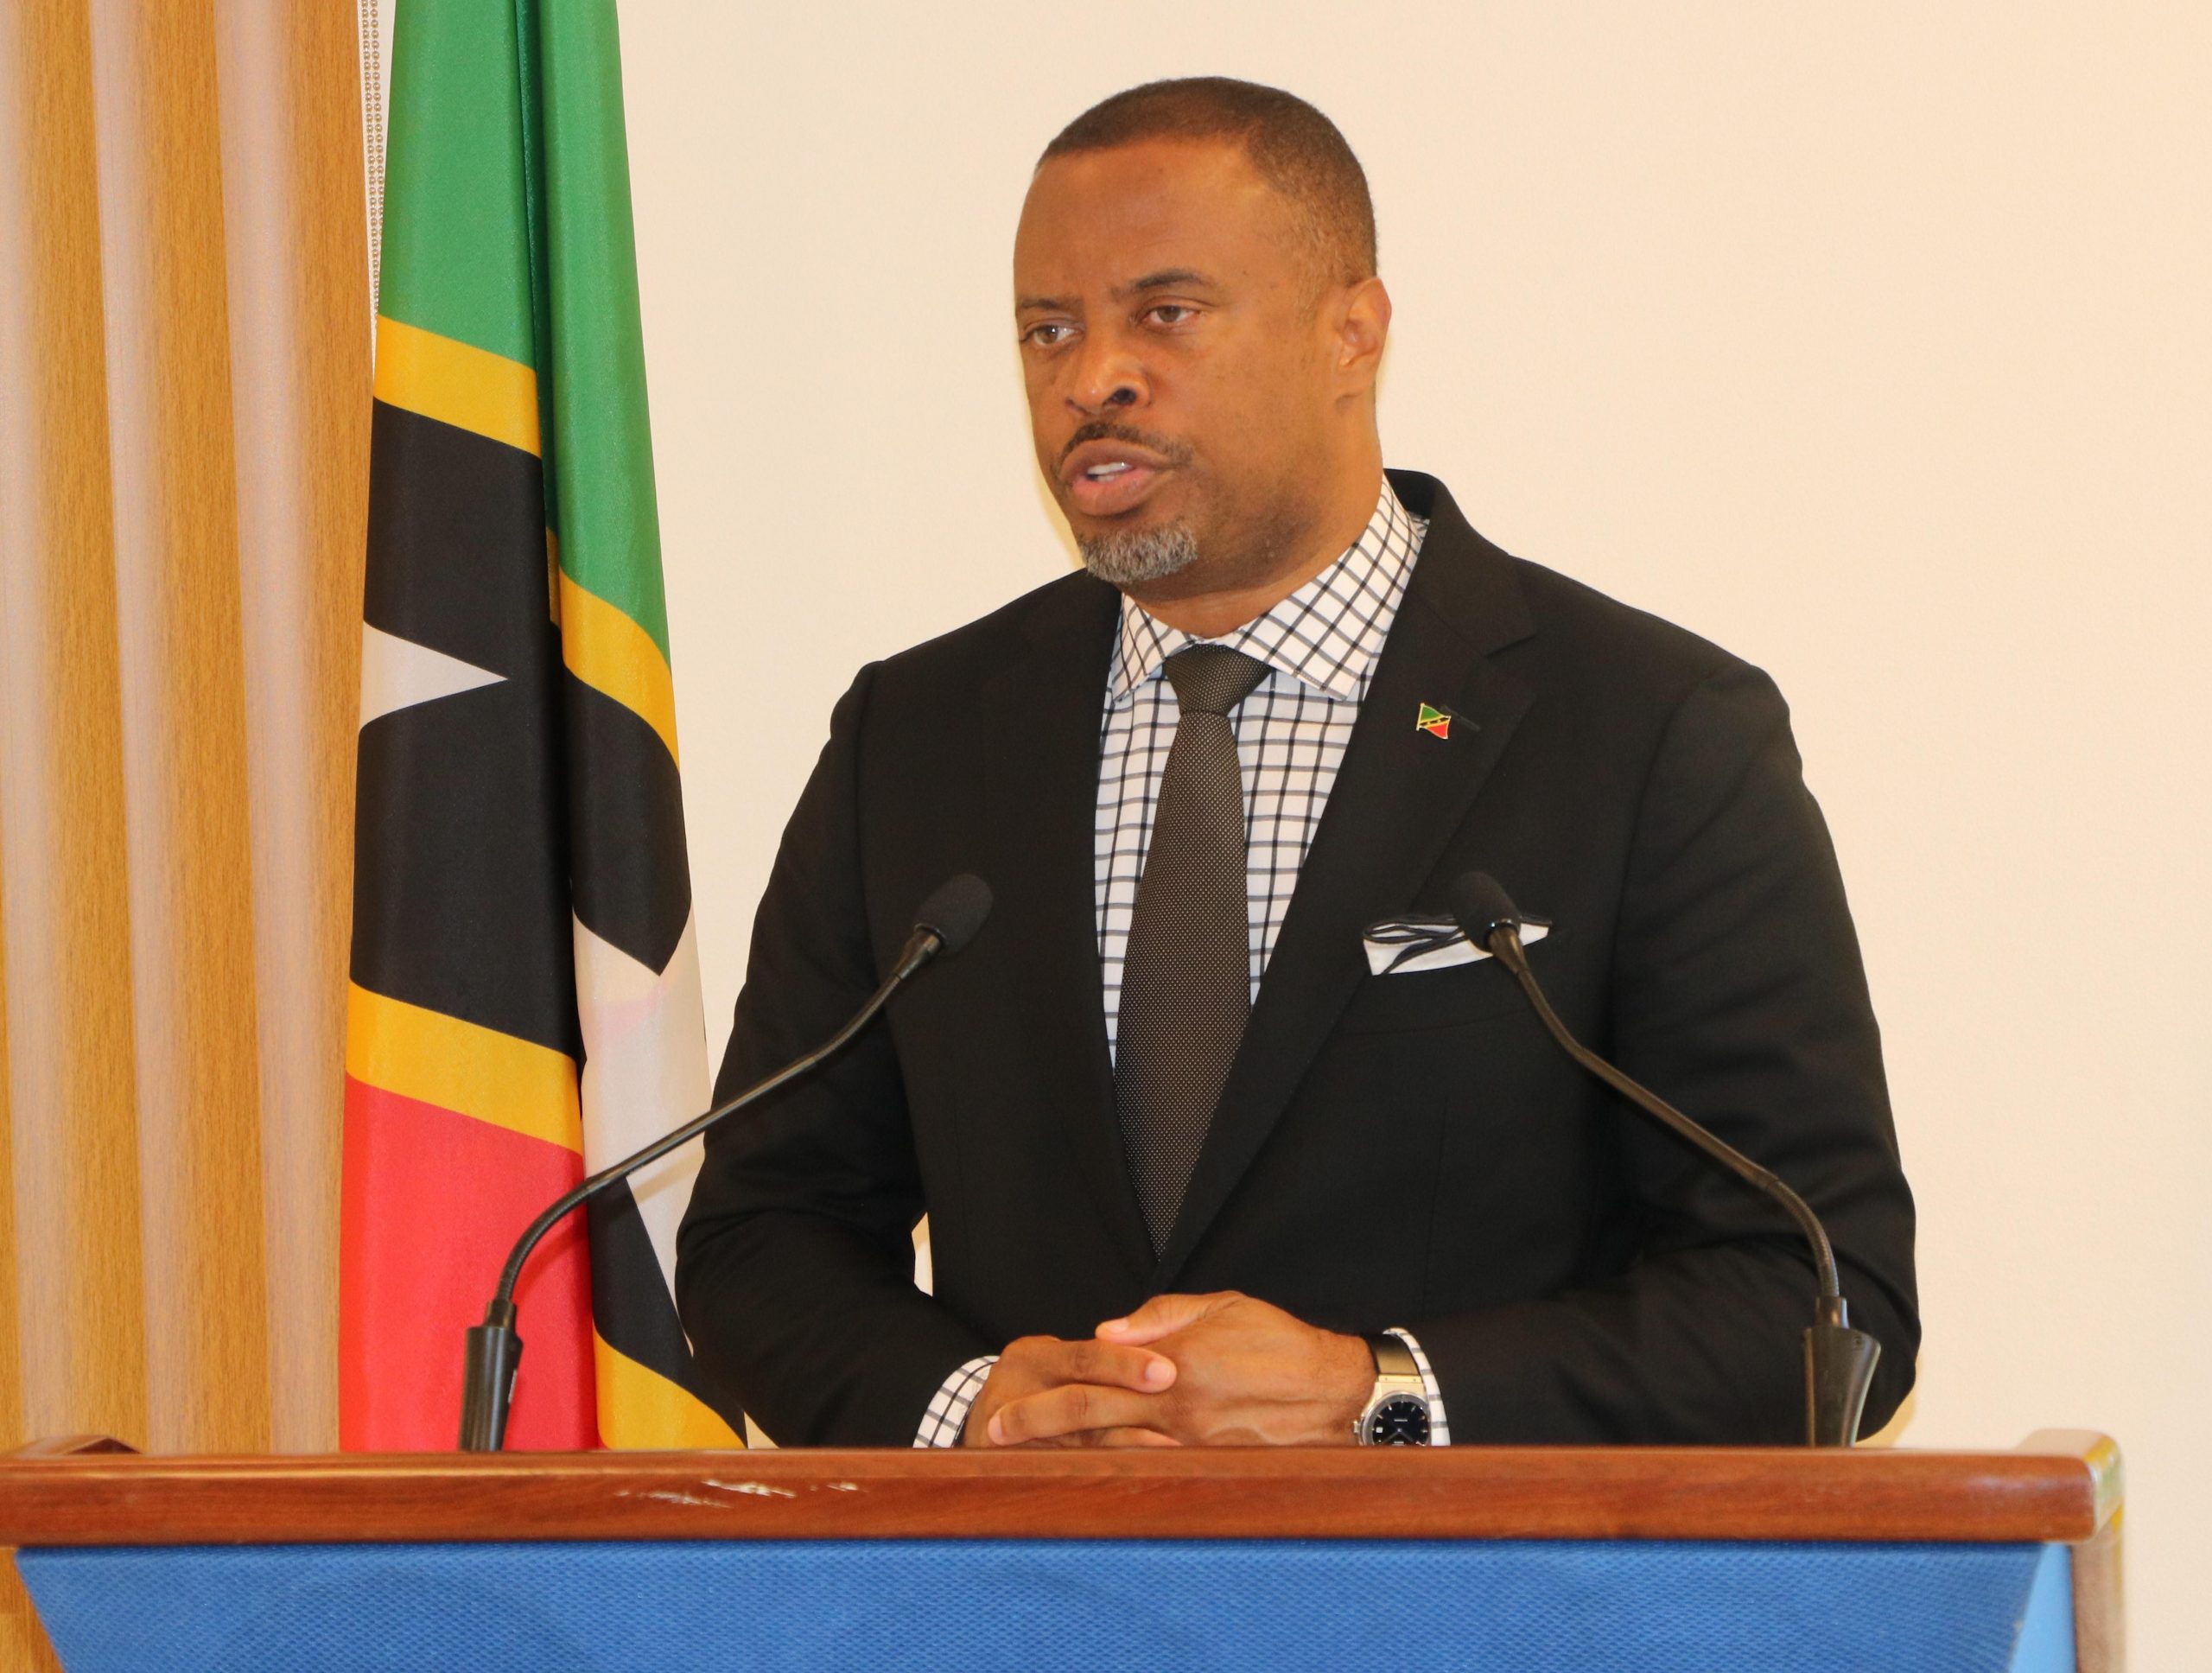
point(1115, 1364)
point(1071, 1409)
point(1118, 1365)
point(1163, 1315)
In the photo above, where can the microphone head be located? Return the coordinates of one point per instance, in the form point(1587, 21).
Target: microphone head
point(1480, 903)
point(955, 911)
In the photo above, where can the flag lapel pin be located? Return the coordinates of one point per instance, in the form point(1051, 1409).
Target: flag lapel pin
point(1437, 722)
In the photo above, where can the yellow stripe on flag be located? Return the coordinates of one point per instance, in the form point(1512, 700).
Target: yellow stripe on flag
point(642, 1411)
point(611, 653)
point(455, 383)
point(435, 1059)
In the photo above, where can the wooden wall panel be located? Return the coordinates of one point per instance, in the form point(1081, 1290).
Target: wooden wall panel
point(186, 822)
point(72, 1312)
point(71, 1054)
point(299, 342)
point(184, 398)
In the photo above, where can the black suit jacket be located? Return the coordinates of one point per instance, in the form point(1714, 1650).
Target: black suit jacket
point(1400, 1150)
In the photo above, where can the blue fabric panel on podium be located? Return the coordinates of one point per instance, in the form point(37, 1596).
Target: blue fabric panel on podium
point(2046, 1642)
point(1020, 1606)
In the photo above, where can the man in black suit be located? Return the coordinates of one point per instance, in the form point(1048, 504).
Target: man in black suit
point(1174, 1199)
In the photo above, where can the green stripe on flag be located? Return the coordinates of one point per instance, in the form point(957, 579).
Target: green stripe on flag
point(607, 513)
point(456, 247)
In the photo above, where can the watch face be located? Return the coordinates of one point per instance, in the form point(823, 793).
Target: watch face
point(1401, 1420)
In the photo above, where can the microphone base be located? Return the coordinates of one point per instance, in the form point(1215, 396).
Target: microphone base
point(488, 1379)
point(1839, 1369)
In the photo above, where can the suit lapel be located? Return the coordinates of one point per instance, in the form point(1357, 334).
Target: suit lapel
point(1399, 795)
point(1039, 743)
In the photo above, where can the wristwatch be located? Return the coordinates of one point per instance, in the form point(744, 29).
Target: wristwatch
point(1397, 1413)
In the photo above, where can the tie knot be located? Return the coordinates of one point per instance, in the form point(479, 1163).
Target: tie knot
point(1212, 679)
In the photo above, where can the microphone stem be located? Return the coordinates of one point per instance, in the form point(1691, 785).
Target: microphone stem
point(919, 948)
point(1504, 943)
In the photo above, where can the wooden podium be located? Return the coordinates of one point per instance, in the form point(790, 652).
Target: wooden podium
point(1469, 1557)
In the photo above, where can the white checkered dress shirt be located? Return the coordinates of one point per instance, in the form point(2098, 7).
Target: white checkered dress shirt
point(1320, 645)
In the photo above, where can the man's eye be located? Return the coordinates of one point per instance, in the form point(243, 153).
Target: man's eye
point(1048, 334)
point(1170, 313)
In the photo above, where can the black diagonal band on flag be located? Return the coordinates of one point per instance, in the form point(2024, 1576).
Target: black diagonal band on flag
point(461, 891)
point(631, 1307)
point(632, 876)
point(457, 544)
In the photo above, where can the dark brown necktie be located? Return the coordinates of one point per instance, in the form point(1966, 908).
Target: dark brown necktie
point(1186, 980)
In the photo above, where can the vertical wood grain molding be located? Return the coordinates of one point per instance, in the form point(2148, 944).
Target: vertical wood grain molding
point(72, 1084)
point(22, 1644)
point(184, 735)
point(2100, 1601)
point(11, 1369)
point(291, 165)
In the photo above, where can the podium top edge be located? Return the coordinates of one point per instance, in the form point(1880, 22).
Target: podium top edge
point(2062, 1485)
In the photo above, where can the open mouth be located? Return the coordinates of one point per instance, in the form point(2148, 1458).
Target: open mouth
point(1108, 478)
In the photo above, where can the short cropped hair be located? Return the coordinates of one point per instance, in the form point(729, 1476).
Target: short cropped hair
point(1296, 149)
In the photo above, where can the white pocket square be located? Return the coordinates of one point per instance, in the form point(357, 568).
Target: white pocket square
point(1399, 946)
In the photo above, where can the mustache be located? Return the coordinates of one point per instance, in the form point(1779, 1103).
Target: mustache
point(1101, 429)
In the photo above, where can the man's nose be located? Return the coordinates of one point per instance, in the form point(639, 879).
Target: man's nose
point(1108, 376)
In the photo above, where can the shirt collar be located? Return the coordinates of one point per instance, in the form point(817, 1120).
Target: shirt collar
point(1326, 635)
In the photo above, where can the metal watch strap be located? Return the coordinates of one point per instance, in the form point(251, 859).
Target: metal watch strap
point(1393, 1357)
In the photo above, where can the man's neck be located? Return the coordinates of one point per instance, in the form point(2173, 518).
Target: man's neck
point(1215, 612)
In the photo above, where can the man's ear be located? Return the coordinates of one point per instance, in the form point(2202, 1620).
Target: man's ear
point(1362, 327)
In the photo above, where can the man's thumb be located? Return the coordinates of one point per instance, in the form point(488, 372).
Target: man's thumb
point(1163, 1315)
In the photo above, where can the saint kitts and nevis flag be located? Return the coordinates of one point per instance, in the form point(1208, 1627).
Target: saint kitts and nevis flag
point(525, 1001)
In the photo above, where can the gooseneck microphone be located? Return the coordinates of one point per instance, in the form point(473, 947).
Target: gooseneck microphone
point(943, 924)
point(1839, 1360)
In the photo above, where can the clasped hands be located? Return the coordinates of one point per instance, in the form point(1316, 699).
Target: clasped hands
point(1223, 1370)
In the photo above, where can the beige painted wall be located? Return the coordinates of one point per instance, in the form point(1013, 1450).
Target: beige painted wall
point(1872, 341)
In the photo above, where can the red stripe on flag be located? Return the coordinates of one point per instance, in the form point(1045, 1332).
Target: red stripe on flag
point(432, 1202)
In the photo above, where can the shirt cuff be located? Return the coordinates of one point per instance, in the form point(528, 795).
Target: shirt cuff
point(947, 1413)
point(1439, 1431)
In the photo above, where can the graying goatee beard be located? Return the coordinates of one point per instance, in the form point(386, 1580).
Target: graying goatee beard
point(1129, 557)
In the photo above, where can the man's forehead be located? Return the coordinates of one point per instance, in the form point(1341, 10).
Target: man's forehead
point(1110, 218)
